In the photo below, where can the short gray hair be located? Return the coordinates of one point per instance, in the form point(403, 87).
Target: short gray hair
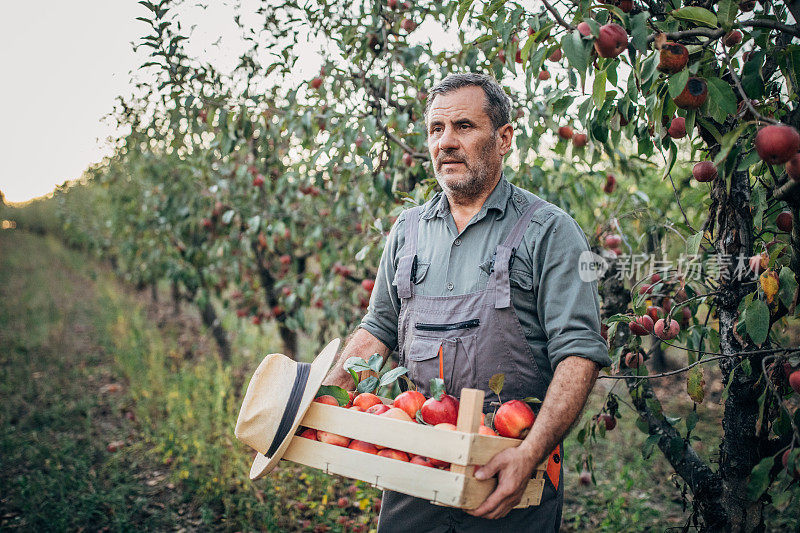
point(497, 106)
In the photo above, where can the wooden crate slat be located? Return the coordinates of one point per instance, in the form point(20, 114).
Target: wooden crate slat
point(450, 446)
point(484, 447)
point(436, 485)
point(475, 492)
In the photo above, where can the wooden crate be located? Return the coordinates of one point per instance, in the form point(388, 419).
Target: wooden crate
point(463, 449)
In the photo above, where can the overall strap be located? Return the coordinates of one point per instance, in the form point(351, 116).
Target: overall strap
point(505, 252)
point(407, 264)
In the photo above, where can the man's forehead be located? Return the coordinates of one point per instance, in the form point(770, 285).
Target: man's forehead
point(466, 102)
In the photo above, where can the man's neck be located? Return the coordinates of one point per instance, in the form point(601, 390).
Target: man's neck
point(463, 209)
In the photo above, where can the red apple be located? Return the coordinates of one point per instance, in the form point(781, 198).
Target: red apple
point(486, 430)
point(394, 454)
point(794, 381)
point(368, 284)
point(784, 221)
point(732, 38)
point(555, 56)
point(258, 181)
point(285, 259)
point(611, 182)
point(543, 75)
point(513, 419)
point(677, 128)
point(309, 433)
point(653, 311)
point(378, 409)
point(327, 400)
point(666, 328)
point(408, 25)
point(642, 326)
point(584, 29)
point(634, 359)
point(332, 438)
point(437, 411)
point(611, 41)
point(612, 241)
point(397, 414)
point(609, 421)
point(565, 132)
point(422, 461)
point(410, 401)
point(777, 144)
point(580, 140)
point(408, 159)
point(365, 400)
point(759, 263)
point(693, 95)
point(316, 82)
point(501, 56)
point(704, 171)
point(793, 167)
point(361, 446)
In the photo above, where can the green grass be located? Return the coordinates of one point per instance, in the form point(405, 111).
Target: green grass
point(68, 328)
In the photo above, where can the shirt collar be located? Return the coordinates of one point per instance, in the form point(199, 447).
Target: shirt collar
point(497, 200)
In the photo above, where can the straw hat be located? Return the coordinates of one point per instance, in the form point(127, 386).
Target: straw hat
point(277, 397)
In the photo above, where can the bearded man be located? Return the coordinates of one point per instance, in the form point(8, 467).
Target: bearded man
point(489, 273)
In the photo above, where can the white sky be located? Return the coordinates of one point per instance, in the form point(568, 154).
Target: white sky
point(65, 63)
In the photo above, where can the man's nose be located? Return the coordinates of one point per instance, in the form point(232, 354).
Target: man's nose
point(448, 140)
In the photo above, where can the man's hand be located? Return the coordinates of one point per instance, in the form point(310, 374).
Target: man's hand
point(513, 468)
point(572, 382)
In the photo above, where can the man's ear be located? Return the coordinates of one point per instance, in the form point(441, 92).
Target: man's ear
point(506, 135)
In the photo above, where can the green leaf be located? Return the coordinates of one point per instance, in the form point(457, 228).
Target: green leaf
point(695, 384)
point(648, 445)
point(463, 8)
point(759, 479)
point(721, 99)
point(356, 363)
point(368, 385)
point(691, 420)
point(639, 31)
point(599, 88)
point(496, 383)
point(532, 399)
point(375, 362)
point(758, 199)
point(757, 321)
point(677, 83)
point(391, 376)
point(576, 50)
point(727, 143)
point(642, 425)
point(726, 13)
point(672, 157)
point(437, 388)
point(787, 286)
point(693, 243)
point(696, 15)
point(337, 392)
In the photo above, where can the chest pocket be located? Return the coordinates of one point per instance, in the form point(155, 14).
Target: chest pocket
point(422, 270)
point(520, 279)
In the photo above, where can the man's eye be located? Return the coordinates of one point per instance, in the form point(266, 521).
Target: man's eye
point(465, 126)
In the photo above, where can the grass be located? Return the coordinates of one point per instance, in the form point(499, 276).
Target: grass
point(70, 336)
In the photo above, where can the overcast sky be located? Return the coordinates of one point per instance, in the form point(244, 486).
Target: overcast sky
point(65, 63)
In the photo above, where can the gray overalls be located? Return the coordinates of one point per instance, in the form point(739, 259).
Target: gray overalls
point(480, 336)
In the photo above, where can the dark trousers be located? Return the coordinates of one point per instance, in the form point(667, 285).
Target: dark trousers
point(401, 514)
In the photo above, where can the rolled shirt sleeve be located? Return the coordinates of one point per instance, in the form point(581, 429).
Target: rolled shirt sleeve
point(384, 304)
point(568, 307)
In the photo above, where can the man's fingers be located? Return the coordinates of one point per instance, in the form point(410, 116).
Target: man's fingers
point(490, 469)
point(490, 504)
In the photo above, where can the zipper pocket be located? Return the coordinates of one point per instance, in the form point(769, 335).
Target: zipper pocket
point(467, 324)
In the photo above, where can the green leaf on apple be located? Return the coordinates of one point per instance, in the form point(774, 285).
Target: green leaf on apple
point(391, 376)
point(437, 388)
point(337, 392)
point(496, 383)
point(368, 385)
point(375, 362)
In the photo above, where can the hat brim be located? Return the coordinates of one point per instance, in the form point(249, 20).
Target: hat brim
point(262, 464)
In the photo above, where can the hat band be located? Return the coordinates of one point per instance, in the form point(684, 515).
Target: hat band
point(287, 420)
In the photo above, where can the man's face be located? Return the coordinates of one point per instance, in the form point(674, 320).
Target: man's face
point(466, 150)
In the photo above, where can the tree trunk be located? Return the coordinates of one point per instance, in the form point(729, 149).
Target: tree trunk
point(211, 321)
point(176, 299)
point(739, 449)
point(154, 291)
